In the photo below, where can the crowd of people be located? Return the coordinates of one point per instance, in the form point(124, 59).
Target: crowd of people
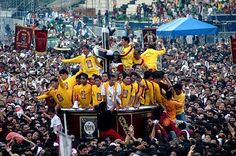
point(165, 10)
point(161, 12)
point(173, 9)
point(194, 93)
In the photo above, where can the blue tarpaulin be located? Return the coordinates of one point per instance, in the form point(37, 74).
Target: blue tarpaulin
point(186, 26)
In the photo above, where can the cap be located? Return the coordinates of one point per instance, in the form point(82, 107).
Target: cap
point(113, 144)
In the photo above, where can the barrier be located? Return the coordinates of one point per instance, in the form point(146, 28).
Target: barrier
point(83, 123)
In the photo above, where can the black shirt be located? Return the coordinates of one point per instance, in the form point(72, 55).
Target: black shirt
point(106, 120)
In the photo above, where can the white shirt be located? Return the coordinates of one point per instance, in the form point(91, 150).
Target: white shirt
point(110, 95)
point(189, 39)
point(56, 121)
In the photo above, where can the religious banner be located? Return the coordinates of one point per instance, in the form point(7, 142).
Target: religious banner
point(149, 36)
point(41, 37)
point(23, 37)
point(233, 49)
point(88, 127)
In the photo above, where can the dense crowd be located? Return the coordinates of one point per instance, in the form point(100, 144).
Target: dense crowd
point(201, 73)
point(161, 11)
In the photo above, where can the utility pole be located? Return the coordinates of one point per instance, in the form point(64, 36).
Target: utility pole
point(69, 5)
point(61, 5)
point(32, 5)
point(86, 8)
point(107, 8)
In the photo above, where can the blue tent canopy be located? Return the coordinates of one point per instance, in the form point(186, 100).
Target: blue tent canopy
point(186, 26)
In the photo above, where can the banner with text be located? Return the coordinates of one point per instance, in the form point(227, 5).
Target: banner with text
point(41, 38)
point(23, 37)
point(88, 127)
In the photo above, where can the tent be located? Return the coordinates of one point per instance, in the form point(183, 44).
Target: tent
point(186, 26)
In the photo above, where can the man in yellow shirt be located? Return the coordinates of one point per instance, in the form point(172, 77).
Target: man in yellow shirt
point(83, 92)
point(151, 55)
point(179, 96)
point(97, 91)
point(157, 89)
point(148, 89)
point(88, 62)
point(127, 95)
point(127, 53)
point(163, 81)
point(155, 20)
point(59, 93)
point(170, 105)
point(138, 61)
point(69, 82)
point(136, 80)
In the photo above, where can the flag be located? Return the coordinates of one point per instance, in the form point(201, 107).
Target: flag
point(233, 49)
point(41, 37)
point(65, 144)
point(23, 37)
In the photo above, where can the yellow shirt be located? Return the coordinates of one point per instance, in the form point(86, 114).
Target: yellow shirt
point(139, 94)
point(127, 91)
point(84, 94)
point(150, 57)
point(59, 95)
point(140, 62)
point(127, 56)
point(164, 85)
point(96, 94)
point(181, 99)
point(170, 106)
point(148, 92)
point(88, 65)
point(220, 5)
point(69, 83)
point(157, 92)
point(155, 20)
point(138, 89)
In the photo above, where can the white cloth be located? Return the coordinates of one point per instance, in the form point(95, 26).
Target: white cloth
point(110, 95)
point(109, 52)
point(188, 135)
point(55, 122)
point(189, 39)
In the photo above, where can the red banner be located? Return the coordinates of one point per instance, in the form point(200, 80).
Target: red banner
point(233, 49)
point(23, 37)
point(41, 37)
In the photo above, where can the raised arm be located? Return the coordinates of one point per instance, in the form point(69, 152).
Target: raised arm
point(162, 51)
point(77, 59)
point(44, 95)
point(97, 62)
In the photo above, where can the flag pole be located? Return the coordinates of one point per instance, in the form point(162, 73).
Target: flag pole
point(65, 123)
point(88, 28)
